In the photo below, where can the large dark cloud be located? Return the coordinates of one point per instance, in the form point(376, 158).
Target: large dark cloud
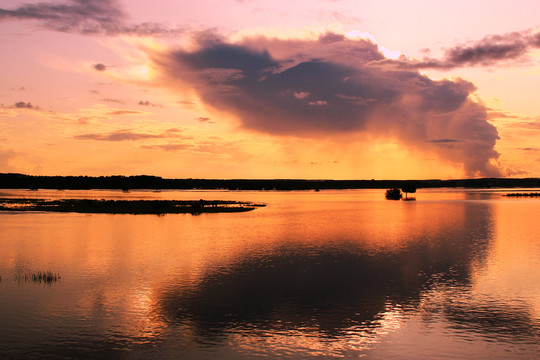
point(321, 88)
point(84, 16)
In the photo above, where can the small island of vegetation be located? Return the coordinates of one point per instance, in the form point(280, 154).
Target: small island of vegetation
point(393, 194)
point(127, 206)
point(535, 194)
point(396, 193)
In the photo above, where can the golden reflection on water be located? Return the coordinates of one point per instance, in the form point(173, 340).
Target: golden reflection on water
point(334, 273)
point(510, 274)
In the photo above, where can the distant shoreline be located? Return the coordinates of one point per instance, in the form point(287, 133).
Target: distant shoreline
point(139, 182)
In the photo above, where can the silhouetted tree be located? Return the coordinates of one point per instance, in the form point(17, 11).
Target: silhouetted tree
point(393, 194)
point(408, 189)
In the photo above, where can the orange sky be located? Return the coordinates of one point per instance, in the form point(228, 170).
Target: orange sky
point(252, 89)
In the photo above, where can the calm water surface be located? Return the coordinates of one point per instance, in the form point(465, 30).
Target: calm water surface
point(330, 274)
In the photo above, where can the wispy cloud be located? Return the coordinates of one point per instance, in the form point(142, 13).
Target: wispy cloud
point(334, 16)
point(204, 119)
point(125, 112)
point(534, 125)
point(116, 101)
point(443, 141)
point(148, 103)
point(129, 135)
point(493, 49)
point(167, 147)
point(492, 115)
point(97, 114)
point(85, 17)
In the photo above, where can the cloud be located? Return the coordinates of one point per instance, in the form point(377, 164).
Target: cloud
point(535, 125)
point(23, 105)
point(204, 119)
point(500, 115)
point(318, 103)
point(492, 49)
point(124, 112)
point(10, 110)
point(128, 135)
point(514, 172)
point(335, 16)
point(301, 94)
point(100, 67)
point(167, 147)
point(120, 135)
point(320, 89)
point(148, 103)
point(85, 120)
point(109, 100)
point(85, 17)
point(87, 116)
point(330, 37)
point(443, 141)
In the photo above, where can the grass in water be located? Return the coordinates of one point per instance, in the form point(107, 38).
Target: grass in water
point(40, 277)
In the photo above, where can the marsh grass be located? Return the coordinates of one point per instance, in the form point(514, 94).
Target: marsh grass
point(40, 277)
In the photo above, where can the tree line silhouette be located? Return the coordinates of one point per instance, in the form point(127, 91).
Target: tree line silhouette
point(22, 181)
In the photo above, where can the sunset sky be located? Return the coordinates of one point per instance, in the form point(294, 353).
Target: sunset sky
point(342, 89)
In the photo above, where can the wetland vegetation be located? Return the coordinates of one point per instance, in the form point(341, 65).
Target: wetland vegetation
point(127, 206)
point(535, 194)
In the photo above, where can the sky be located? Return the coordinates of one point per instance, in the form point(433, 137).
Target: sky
point(318, 89)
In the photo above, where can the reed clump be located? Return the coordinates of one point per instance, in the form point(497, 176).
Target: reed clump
point(40, 277)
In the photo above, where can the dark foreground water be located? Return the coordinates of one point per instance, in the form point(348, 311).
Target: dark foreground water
point(331, 274)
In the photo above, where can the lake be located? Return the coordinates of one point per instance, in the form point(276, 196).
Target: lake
point(330, 274)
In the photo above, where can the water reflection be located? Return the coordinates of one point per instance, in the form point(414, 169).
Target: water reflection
point(495, 319)
point(313, 275)
point(327, 288)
